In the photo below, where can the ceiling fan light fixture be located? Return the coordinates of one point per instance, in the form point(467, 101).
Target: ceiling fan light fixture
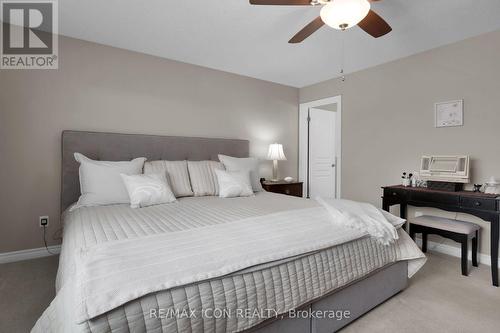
point(344, 14)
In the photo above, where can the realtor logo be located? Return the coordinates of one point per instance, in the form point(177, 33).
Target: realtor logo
point(29, 34)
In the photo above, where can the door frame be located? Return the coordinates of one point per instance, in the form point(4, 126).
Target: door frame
point(303, 140)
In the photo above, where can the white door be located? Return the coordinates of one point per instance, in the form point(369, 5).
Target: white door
point(322, 168)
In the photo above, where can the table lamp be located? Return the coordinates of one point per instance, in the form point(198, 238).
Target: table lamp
point(275, 154)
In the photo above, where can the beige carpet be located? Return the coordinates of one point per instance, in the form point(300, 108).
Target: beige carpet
point(26, 289)
point(438, 299)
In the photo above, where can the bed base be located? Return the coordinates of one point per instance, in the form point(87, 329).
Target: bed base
point(358, 298)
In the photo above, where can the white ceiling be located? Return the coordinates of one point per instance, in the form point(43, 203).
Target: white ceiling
point(233, 36)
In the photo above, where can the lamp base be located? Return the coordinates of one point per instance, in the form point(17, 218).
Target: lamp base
point(275, 171)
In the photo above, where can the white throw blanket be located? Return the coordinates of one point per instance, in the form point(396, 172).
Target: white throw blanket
point(363, 217)
point(114, 273)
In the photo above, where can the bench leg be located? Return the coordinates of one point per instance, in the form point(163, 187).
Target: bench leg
point(464, 242)
point(474, 249)
point(424, 242)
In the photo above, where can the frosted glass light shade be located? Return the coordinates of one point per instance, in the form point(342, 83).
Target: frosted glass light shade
point(276, 152)
point(344, 14)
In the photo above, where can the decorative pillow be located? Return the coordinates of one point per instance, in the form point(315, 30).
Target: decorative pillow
point(203, 178)
point(176, 173)
point(148, 190)
point(100, 181)
point(234, 184)
point(250, 165)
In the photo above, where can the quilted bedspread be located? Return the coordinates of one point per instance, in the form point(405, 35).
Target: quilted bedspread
point(285, 263)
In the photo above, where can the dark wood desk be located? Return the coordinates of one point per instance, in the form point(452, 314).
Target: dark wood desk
point(484, 206)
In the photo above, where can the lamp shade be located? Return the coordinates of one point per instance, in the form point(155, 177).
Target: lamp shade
point(276, 152)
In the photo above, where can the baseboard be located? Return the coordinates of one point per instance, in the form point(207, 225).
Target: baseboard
point(483, 259)
point(7, 257)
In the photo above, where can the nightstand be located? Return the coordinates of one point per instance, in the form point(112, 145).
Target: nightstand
point(294, 188)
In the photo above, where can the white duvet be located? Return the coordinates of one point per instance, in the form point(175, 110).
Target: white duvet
point(109, 274)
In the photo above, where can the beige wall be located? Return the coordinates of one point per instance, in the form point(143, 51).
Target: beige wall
point(102, 88)
point(388, 116)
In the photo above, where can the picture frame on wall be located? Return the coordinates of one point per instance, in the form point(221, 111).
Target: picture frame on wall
point(449, 114)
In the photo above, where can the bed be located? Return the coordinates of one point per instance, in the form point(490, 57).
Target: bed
point(310, 285)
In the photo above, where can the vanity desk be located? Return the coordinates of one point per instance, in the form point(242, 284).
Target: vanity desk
point(484, 206)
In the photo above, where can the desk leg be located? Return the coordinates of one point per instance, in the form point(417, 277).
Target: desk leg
point(385, 205)
point(403, 212)
point(494, 250)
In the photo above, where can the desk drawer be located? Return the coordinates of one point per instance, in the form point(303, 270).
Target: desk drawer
point(393, 193)
point(478, 203)
point(440, 198)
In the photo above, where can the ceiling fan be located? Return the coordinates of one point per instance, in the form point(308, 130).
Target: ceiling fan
point(338, 14)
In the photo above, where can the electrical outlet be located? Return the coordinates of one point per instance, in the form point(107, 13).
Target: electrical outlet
point(44, 221)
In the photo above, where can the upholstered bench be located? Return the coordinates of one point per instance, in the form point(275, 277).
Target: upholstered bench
point(459, 231)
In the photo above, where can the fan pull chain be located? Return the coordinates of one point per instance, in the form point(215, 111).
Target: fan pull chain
point(342, 76)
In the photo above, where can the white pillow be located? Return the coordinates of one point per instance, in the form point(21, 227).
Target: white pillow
point(234, 184)
point(203, 178)
point(176, 173)
point(148, 190)
point(100, 181)
point(250, 165)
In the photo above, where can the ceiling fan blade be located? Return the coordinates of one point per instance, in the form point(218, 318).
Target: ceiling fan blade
point(307, 31)
point(374, 25)
point(281, 2)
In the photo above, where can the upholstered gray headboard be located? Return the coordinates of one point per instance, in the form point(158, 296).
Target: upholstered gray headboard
point(122, 147)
